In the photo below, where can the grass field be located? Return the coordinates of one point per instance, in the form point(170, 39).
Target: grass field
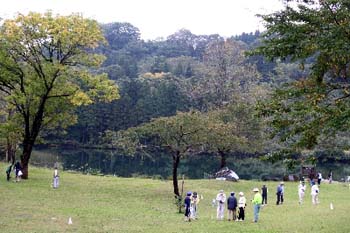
point(112, 204)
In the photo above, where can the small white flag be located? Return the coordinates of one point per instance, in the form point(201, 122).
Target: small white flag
point(70, 221)
point(331, 206)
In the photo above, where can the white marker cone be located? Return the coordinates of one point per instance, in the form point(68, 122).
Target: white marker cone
point(70, 221)
point(331, 206)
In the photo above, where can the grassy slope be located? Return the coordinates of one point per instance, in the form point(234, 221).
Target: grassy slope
point(111, 204)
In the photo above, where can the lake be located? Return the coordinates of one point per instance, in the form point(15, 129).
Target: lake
point(111, 162)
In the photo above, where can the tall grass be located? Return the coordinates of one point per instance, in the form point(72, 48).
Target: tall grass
point(113, 204)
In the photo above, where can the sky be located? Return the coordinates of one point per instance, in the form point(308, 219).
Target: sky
point(158, 18)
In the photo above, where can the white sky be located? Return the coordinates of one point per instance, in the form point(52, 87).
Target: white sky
point(158, 18)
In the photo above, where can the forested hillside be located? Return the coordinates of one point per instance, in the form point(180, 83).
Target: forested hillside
point(158, 78)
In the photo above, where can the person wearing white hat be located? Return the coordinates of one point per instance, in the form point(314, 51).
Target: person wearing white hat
point(257, 201)
point(221, 199)
point(242, 202)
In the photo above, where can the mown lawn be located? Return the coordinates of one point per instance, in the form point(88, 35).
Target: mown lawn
point(112, 204)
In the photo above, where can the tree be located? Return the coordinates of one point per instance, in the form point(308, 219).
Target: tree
point(314, 33)
point(45, 64)
point(226, 75)
point(233, 128)
point(119, 35)
point(180, 135)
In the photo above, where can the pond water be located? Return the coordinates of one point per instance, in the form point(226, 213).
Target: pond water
point(111, 162)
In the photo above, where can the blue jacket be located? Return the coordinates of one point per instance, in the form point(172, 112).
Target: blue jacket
point(279, 189)
point(231, 203)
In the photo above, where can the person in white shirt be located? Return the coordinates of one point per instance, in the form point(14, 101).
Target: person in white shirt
point(301, 191)
point(314, 194)
point(241, 206)
point(221, 199)
point(56, 179)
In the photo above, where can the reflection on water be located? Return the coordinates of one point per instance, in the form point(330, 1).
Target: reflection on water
point(111, 162)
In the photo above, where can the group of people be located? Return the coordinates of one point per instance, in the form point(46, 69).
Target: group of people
point(17, 170)
point(191, 204)
point(232, 205)
point(240, 203)
point(315, 189)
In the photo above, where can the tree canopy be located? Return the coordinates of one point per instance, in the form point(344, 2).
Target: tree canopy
point(45, 70)
point(316, 35)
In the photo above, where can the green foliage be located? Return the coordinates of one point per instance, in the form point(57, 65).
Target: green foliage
point(45, 64)
point(317, 103)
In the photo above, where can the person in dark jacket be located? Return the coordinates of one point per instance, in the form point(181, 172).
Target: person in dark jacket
point(8, 172)
point(264, 192)
point(232, 206)
point(187, 207)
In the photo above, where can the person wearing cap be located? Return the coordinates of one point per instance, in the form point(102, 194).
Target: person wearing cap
point(221, 199)
point(187, 206)
point(257, 201)
point(301, 191)
point(194, 202)
point(232, 206)
point(242, 202)
point(280, 193)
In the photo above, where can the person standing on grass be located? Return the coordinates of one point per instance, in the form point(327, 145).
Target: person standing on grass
point(314, 194)
point(194, 203)
point(280, 193)
point(257, 200)
point(187, 203)
point(242, 202)
point(221, 199)
point(301, 191)
point(319, 178)
point(8, 172)
point(264, 192)
point(232, 206)
point(330, 176)
point(56, 178)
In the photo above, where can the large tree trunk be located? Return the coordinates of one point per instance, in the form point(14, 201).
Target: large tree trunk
point(31, 133)
point(222, 158)
point(27, 151)
point(176, 162)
